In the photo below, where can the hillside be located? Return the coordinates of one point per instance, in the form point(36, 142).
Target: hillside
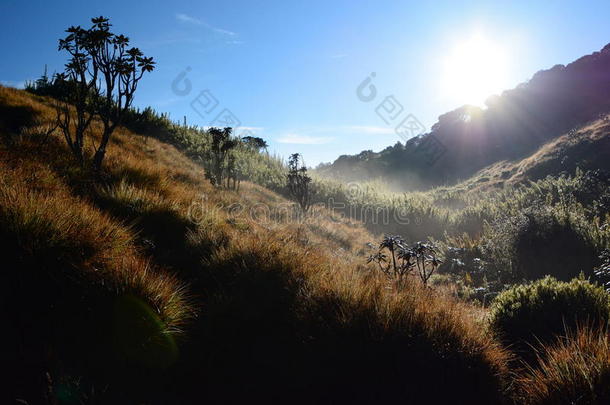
point(146, 286)
point(146, 260)
point(586, 148)
point(512, 127)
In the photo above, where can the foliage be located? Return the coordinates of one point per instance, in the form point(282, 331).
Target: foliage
point(255, 142)
point(516, 233)
point(519, 232)
point(54, 86)
point(220, 148)
point(540, 242)
point(285, 306)
point(249, 160)
point(602, 272)
point(421, 257)
point(246, 159)
point(274, 319)
point(526, 316)
point(299, 184)
point(464, 261)
point(102, 73)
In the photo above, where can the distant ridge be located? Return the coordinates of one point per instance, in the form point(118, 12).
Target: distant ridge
point(511, 127)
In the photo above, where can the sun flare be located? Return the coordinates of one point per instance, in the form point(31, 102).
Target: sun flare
point(474, 70)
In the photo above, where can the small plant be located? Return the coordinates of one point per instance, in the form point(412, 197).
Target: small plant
point(421, 257)
point(299, 183)
point(426, 261)
point(396, 268)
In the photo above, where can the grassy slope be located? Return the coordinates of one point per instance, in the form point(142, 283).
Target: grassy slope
point(587, 147)
point(154, 286)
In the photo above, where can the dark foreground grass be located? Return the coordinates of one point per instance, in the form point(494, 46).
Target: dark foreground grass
point(121, 292)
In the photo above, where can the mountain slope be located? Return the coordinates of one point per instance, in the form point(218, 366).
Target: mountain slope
point(513, 126)
point(586, 148)
point(152, 286)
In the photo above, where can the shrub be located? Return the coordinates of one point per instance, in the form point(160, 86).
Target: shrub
point(527, 315)
point(299, 183)
point(541, 242)
point(574, 371)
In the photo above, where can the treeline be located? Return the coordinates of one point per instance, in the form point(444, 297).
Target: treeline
point(98, 85)
point(226, 158)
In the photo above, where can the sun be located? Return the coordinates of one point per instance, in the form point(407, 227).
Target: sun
point(474, 70)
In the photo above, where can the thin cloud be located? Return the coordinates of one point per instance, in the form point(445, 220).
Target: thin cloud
point(12, 83)
point(252, 129)
point(338, 56)
point(298, 139)
point(168, 101)
point(326, 134)
point(185, 18)
point(182, 39)
point(222, 31)
point(372, 130)
point(188, 19)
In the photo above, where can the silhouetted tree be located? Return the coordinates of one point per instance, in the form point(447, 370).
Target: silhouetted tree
point(243, 160)
point(221, 145)
point(299, 183)
point(255, 142)
point(104, 73)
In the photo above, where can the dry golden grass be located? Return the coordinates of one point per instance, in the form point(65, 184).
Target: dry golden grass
point(51, 224)
point(51, 218)
point(256, 276)
point(575, 371)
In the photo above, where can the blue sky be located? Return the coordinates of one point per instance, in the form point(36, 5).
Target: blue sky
point(289, 70)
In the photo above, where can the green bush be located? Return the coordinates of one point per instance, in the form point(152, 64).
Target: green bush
point(542, 241)
point(527, 315)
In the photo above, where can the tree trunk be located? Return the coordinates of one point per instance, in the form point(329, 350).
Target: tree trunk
point(77, 150)
point(100, 153)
